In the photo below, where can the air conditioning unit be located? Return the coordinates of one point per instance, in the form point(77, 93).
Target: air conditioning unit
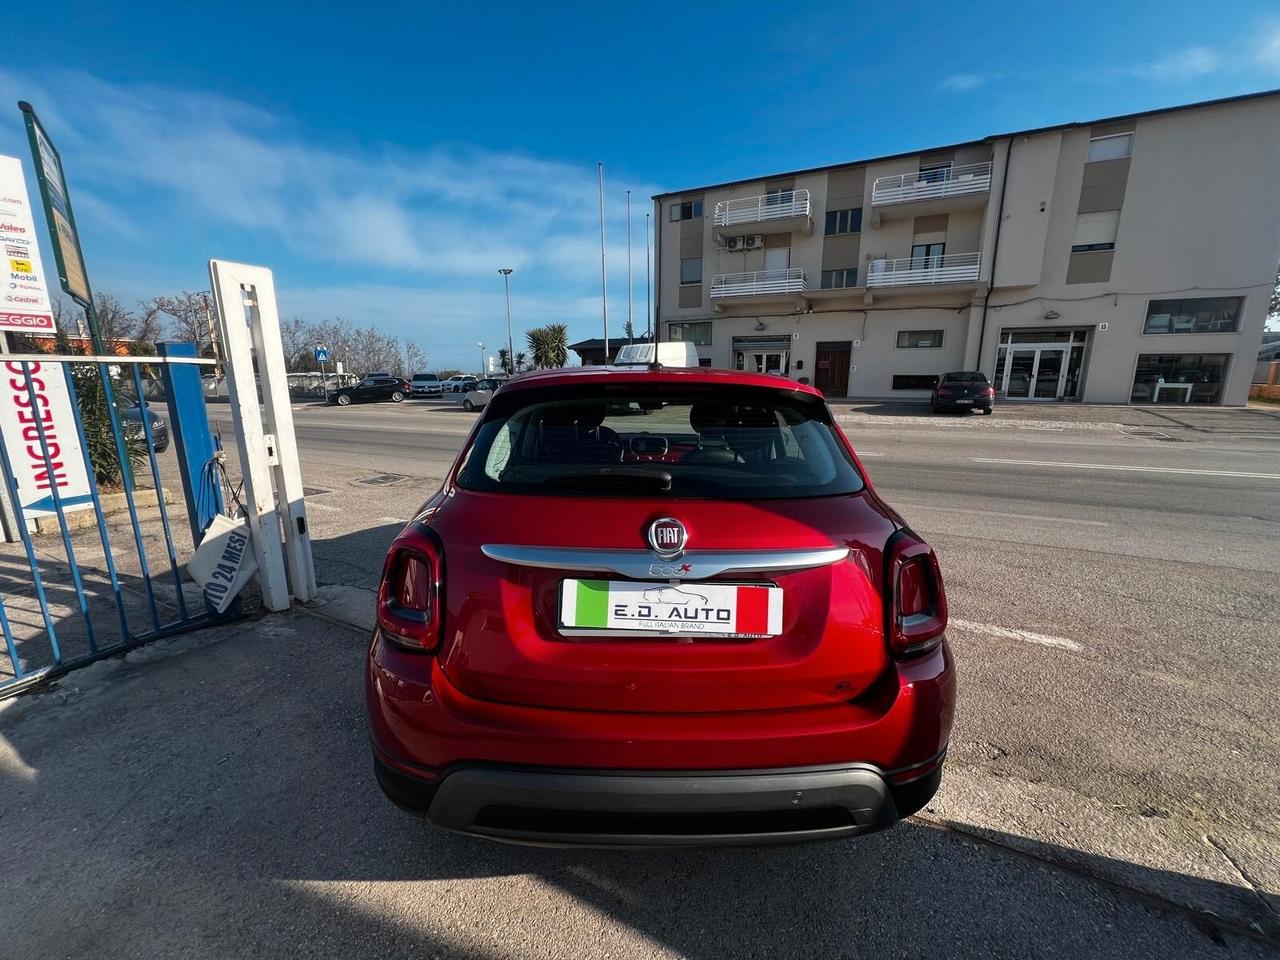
point(754, 242)
point(733, 244)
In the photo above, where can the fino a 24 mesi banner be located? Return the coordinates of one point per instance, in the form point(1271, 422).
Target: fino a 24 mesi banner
point(24, 294)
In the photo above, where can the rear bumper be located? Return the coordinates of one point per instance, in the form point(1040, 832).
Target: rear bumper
point(659, 808)
point(977, 404)
point(441, 751)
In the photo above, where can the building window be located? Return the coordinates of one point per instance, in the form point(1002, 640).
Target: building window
point(1096, 231)
point(1110, 148)
point(687, 210)
point(698, 333)
point(914, 381)
point(844, 221)
point(1194, 315)
point(690, 270)
point(839, 279)
point(935, 172)
point(1179, 378)
point(779, 195)
point(919, 338)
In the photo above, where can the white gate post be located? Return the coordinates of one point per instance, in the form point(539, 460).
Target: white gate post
point(288, 471)
point(226, 280)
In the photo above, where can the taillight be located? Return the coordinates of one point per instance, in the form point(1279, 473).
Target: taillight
point(917, 604)
point(989, 392)
point(944, 391)
point(410, 597)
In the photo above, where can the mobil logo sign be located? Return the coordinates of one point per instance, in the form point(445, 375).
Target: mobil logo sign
point(34, 402)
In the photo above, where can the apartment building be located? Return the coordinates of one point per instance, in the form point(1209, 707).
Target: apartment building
point(1123, 260)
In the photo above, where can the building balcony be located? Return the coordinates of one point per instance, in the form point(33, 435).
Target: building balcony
point(785, 212)
point(950, 268)
point(768, 284)
point(925, 192)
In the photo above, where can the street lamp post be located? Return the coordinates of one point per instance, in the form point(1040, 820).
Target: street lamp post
point(481, 346)
point(511, 347)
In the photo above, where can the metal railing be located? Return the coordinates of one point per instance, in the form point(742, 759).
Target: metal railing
point(932, 184)
point(909, 271)
point(773, 206)
point(55, 472)
point(757, 283)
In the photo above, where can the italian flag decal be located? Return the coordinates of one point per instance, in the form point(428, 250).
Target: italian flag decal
point(709, 608)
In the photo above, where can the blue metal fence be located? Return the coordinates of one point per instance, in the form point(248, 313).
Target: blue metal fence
point(92, 630)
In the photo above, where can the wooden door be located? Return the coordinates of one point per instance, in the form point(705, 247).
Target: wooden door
point(831, 369)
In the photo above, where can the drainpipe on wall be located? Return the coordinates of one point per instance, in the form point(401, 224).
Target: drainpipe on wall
point(657, 271)
point(995, 253)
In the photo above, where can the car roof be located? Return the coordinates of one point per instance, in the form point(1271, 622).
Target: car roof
point(583, 376)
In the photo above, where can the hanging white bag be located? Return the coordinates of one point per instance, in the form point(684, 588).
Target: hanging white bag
point(223, 563)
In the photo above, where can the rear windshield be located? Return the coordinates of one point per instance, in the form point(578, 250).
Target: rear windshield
point(664, 441)
point(425, 376)
point(968, 377)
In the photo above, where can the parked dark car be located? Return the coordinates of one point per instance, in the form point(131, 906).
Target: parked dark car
point(962, 390)
point(371, 389)
point(131, 417)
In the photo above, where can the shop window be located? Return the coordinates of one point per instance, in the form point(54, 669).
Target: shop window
point(919, 338)
point(914, 381)
point(1179, 378)
point(1194, 315)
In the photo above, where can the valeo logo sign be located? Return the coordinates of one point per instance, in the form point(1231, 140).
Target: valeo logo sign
point(21, 266)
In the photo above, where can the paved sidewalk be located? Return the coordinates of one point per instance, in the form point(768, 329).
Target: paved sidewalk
point(1255, 419)
point(211, 797)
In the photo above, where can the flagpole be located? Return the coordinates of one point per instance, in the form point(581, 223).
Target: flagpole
point(604, 267)
point(630, 319)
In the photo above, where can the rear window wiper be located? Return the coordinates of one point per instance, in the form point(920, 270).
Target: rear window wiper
point(661, 479)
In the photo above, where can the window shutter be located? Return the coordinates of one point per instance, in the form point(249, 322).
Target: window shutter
point(1097, 227)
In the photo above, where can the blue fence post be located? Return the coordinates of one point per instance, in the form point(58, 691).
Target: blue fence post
point(192, 440)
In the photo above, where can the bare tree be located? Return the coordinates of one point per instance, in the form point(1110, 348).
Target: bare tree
point(298, 345)
point(149, 316)
point(415, 358)
point(188, 316)
point(116, 322)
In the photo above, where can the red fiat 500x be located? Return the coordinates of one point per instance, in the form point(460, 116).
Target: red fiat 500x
point(659, 606)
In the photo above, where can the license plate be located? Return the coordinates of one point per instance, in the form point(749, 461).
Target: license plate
point(962, 402)
point(714, 609)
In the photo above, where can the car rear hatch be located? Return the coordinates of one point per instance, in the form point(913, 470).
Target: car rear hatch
point(512, 550)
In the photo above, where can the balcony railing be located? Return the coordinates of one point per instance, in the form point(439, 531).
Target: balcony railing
point(910, 271)
point(758, 283)
point(932, 184)
point(774, 206)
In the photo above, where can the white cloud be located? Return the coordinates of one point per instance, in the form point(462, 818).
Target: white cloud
point(1182, 66)
point(963, 82)
point(440, 212)
point(1267, 53)
point(407, 239)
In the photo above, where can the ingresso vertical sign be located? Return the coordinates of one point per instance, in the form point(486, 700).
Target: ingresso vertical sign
point(24, 300)
point(35, 402)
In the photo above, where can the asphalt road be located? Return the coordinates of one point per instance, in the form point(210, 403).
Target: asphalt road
point(1111, 787)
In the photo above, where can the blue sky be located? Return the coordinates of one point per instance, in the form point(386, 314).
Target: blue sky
point(385, 161)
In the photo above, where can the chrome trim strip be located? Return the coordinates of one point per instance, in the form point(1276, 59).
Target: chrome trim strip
point(644, 564)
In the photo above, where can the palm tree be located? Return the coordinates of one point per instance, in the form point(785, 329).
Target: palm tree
point(522, 361)
point(537, 340)
point(504, 361)
point(557, 344)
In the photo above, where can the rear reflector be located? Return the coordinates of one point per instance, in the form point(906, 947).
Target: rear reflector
point(916, 607)
point(410, 596)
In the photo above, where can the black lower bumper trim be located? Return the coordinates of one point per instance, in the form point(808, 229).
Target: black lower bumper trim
point(638, 809)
